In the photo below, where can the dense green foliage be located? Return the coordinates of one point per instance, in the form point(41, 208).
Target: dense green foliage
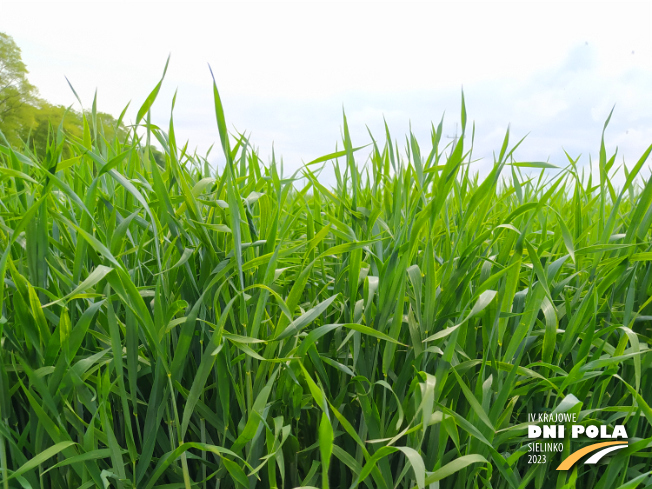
point(28, 120)
point(16, 93)
point(172, 325)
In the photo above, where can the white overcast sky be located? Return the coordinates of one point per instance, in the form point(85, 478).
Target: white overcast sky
point(286, 70)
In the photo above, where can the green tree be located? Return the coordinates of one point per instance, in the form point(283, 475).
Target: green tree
point(48, 117)
point(26, 119)
point(17, 95)
point(44, 122)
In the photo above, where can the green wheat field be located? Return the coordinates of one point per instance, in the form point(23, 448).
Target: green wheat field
point(166, 324)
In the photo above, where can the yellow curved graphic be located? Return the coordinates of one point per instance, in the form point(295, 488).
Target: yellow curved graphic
point(575, 456)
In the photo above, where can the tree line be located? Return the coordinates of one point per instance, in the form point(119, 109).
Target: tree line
point(27, 121)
